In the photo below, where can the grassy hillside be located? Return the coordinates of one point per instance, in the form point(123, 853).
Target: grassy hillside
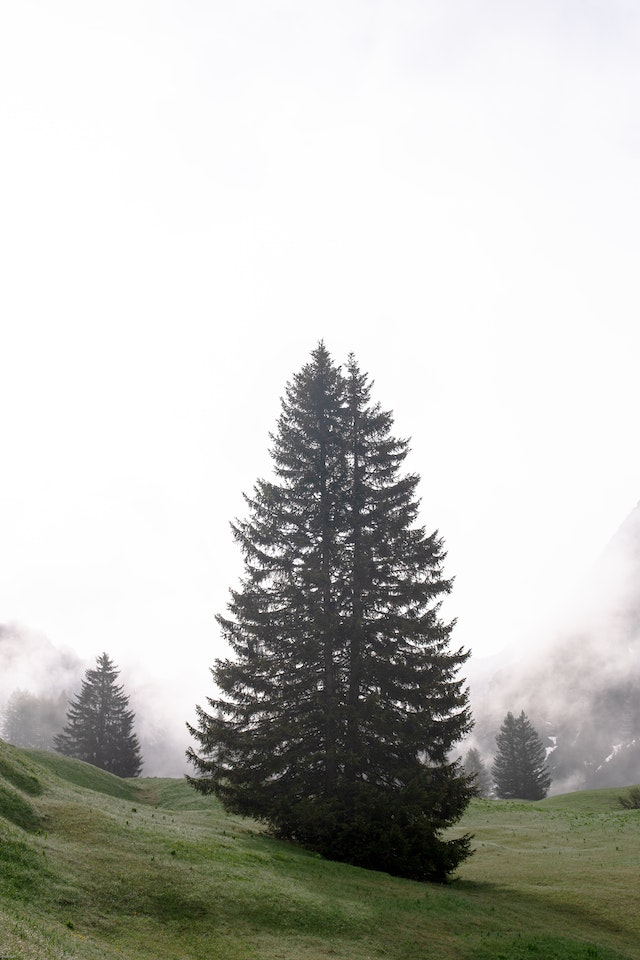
point(96, 867)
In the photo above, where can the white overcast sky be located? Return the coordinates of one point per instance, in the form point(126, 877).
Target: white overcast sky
point(193, 193)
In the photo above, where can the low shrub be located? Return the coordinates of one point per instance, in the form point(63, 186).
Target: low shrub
point(632, 800)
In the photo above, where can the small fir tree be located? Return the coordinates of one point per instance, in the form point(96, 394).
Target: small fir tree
point(99, 726)
point(519, 769)
point(336, 717)
point(474, 767)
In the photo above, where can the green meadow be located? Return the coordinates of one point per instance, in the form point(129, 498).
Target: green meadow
point(92, 866)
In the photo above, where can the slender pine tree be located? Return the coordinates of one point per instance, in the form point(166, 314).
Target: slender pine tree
point(99, 725)
point(519, 769)
point(341, 705)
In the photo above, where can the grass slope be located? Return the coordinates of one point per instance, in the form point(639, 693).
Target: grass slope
point(96, 867)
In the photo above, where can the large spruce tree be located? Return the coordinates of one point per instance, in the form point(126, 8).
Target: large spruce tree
point(337, 714)
point(519, 768)
point(99, 725)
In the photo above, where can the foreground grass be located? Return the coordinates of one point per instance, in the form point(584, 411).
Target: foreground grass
point(95, 867)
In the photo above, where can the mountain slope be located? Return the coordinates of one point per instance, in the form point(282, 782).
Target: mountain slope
point(147, 869)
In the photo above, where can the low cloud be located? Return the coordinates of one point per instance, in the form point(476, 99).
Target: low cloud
point(580, 685)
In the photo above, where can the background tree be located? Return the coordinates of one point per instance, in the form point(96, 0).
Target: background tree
point(519, 769)
point(338, 712)
point(31, 721)
point(474, 767)
point(99, 724)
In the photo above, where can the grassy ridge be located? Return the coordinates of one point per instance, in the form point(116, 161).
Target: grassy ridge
point(149, 869)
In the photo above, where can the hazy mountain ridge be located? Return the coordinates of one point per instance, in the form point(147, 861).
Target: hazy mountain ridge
point(581, 687)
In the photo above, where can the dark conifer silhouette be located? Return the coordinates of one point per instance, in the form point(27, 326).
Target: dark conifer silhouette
point(519, 769)
point(337, 715)
point(99, 724)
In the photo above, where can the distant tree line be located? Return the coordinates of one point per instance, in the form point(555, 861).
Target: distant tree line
point(29, 720)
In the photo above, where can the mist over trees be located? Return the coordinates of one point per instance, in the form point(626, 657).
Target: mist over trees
point(37, 679)
point(33, 721)
point(581, 682)
point(474, 766)
point(99, 725)
point(336, 718)
point(519, 769)
point(34, 676)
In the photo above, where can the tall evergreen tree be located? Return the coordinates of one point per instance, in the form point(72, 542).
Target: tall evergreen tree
point(337, 714)
point(519, 769)
point(99, 726)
